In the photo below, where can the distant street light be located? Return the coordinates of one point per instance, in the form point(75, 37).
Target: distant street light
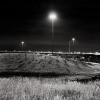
point(73, 40)
point(52, 17)
point(22, 43)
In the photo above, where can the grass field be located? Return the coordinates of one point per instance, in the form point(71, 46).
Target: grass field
point(19, 88)
point(39, 88)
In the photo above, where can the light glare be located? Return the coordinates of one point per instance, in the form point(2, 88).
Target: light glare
point(22, 42)
point(52, 16)
point(73, 39)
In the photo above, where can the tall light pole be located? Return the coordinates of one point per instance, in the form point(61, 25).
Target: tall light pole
point(22, 43)
point(52, 17)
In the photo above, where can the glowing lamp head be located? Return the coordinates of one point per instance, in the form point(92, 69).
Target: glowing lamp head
point(73, 39)
point(52, 16)
point(22, 42)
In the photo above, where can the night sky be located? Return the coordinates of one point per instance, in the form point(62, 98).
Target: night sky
point(28, 21)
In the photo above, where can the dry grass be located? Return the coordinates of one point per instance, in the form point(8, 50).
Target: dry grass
point(26, 88)
point(18, 88)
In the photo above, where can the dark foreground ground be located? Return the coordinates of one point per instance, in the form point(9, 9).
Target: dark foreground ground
point(74, 77)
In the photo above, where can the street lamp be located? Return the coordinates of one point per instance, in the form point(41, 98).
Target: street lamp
point(73, 40)
point(52, 17)
point(22, 43)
